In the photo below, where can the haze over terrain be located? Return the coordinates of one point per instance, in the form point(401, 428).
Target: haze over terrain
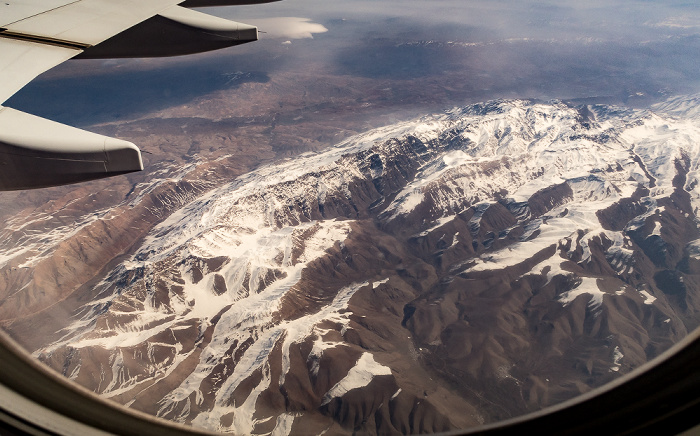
point(384, 216)
point(624, 51)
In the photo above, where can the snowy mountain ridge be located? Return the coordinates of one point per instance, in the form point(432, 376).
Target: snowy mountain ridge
point(243, 292)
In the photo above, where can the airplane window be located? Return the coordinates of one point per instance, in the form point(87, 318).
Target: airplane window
point(381, 217)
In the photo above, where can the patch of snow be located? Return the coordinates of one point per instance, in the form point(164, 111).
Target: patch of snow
point(358, 377)
point(693, 248)
point(617, 357)
point(553, 264)
point(475, 220)
point(455, 241)
point(618, 256)
point(648, 298)
point(283, 425)
point(588, 286)
point(438, 223)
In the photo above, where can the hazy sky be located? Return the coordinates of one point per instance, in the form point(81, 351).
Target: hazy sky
point(621, 50)
point(561, 20)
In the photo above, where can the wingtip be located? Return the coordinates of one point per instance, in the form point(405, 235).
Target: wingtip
point(38, 153)
point(122, 156)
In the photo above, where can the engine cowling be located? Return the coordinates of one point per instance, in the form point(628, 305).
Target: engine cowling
point(175, 31)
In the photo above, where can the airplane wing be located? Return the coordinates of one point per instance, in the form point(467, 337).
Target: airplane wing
point(36, 35)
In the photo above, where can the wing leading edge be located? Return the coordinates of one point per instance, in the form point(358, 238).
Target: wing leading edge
point(36, 36)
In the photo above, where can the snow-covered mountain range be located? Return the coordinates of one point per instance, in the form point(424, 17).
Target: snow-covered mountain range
point(430, 275)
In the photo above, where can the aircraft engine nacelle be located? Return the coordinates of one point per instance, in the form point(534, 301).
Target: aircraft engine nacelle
point(175, 31)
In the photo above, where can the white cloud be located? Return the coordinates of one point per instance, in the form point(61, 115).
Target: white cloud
point(288, 27)
point(678, 23)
